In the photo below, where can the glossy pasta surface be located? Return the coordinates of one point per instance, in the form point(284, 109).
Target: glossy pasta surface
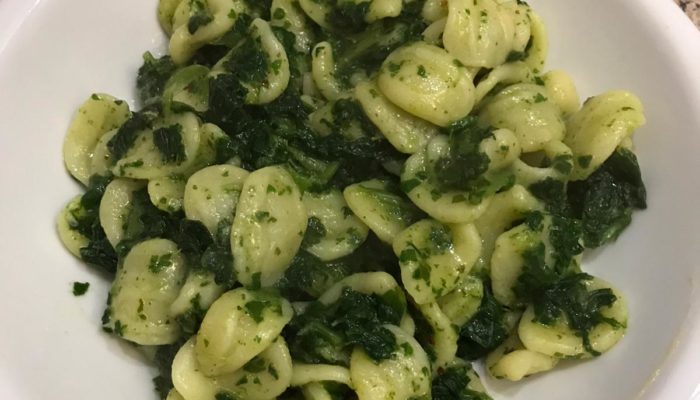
point(353, 199)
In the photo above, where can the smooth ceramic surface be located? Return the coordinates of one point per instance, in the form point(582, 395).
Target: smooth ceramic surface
point(55, 53)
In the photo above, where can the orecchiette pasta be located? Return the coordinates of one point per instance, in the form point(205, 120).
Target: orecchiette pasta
point(264, 377)
point(404, 376)
point(407, 133)
point(238, 326)
point(479, 33)
point(524, 109)
point(144, 161)
point(288, 14)
point(561, 341)
point(212, 18)
point(445, 335)
point(434, 256)
point(343, 231)
point(268, 227)
point(99, 114)
point(323, 71)
point(144, 287)
point(383, 210)
point(278, 69)
point(116, 206)
point(167, 192)
point(72, 240)
point(303, 374)
point(425, 81)
point(599, 127)
point(512, 361)
point(211, 194)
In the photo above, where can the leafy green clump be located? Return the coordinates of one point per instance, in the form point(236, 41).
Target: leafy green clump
point(348, 16)
point(80, 288)
point(453, 384)
point(191, 320)
point(604, 202)
point(361, 48)
point(99, 251)
point(168, 141)
point(485, 331)
point(327, 333)
point(570, 298)
point(152, 76)
point(464, 167)
point(537, 276)
point(277, 134)
point(127, 134)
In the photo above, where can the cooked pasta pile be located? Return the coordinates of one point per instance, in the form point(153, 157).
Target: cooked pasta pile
point(352, 199)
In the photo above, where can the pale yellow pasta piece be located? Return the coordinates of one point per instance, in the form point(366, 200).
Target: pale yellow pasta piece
point(167, 192)
point(238, 326)
point(512, 361)
point(323, 71)
point(288, 14)
point(144, 287)
point(303, 374)
point(386, 213)
point(434, 10)
point(463, 302)
point(144, 161)
point(407, 133)
point(479, 33)
point(525, 110)
point(344, 232)
point(526, 174)
point(254, 383)
point(562, 91)
point(509, 73)
point(445, 335)
point(199, 288)
point(317, 11)
point(277, 70)
point(184, 44)
point(174, 395)
point(166, 11)
point(425, 81)
point(507, 261)
point(595, 131)
point(102, 159)
point(433, 256)
point(380, 9)
point(98, 115)
point(72, 240)
point(115, 206)
point(559, 340)
point(404, 376)
point(268, 227)
point(502, 148)
point(211, 194)
point(505, 208)
point(537, 53)
point(433, 33)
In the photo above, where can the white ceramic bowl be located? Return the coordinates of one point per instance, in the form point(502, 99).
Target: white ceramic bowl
point(54, 53)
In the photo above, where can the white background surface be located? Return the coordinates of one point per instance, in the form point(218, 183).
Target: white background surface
point(55, 53)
